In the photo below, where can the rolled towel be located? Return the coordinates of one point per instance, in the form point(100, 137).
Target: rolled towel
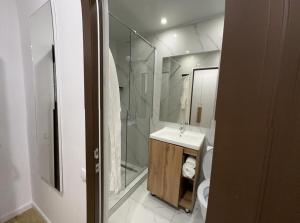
point(187, 171)
point(191, 161)
point(190, 165)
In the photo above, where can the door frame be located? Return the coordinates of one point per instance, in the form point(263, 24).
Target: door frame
point(92, 24)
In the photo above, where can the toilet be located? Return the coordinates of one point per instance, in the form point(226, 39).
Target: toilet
point(203, 189)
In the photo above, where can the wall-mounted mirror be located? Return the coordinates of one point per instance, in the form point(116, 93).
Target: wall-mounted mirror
point(46, 94)
point(189, 87)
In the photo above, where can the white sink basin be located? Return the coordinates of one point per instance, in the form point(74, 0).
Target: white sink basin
point(188, 139)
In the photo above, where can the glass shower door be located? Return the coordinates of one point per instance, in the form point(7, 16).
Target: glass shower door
point(134, 59)
point(141, 80)
point(120, 47)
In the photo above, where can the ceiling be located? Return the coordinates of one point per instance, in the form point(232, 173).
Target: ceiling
point(145, 15)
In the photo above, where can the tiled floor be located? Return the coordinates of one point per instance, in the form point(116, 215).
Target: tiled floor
point(142, 207)
point(30, 216)
point(130, 176)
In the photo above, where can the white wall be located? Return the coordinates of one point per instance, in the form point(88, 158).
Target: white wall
point(70, 206)
point(15, 189)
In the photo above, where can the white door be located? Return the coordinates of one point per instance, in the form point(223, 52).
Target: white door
point(204, 97)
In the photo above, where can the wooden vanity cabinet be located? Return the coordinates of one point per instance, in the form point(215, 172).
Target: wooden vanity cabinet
point(165, 179)
point(165, 171)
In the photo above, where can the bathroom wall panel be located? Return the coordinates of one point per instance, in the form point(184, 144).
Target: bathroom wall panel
point(15, 185)
point(255, 174)
point(71, 205)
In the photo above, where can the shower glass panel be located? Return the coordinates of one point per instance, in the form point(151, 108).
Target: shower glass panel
point(119, 44)
point(134, 59)
point(141, 81)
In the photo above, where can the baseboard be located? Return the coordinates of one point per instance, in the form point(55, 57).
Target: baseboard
point(16, 212)
point(44, 216)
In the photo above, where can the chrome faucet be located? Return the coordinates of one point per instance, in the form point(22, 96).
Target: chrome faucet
point(182, 128)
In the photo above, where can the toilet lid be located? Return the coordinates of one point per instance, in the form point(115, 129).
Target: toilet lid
point(207, 162)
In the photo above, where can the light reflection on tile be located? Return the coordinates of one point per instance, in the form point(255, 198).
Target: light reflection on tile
point(133, 212)
point(141, 206)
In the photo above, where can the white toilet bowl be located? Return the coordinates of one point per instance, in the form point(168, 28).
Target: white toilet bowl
point(203, 189)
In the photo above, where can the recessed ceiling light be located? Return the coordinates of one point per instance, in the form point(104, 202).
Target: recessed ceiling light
point(163, 21)
point(187, 51)
point(174, 35)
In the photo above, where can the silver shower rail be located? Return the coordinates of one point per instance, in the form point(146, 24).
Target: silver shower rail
point(131, 29)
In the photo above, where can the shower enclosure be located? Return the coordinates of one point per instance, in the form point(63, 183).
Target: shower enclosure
point(134, 58)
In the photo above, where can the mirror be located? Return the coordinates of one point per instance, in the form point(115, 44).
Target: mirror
point(189, 87)
point(46, 95)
